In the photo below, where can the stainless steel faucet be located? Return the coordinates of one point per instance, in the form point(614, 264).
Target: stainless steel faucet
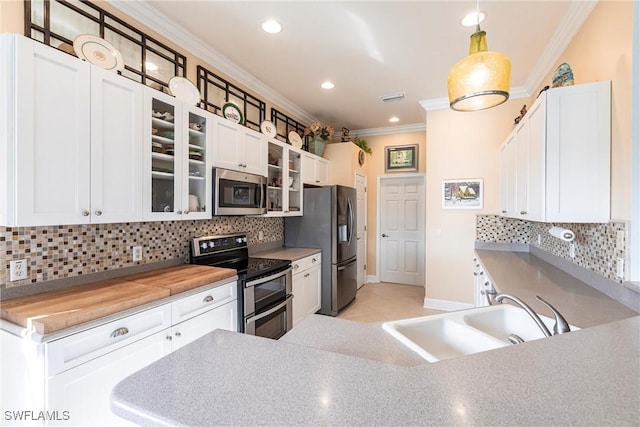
point(529, 310)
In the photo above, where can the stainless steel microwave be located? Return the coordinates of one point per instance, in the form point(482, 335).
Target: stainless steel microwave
point(238, 193)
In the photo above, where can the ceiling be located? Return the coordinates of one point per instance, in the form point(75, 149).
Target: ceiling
point(366, 48)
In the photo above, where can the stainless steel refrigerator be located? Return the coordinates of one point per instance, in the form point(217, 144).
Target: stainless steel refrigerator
point(329, 223)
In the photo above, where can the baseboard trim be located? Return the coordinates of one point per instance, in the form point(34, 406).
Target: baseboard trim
point(444, 305)
point(373, 279)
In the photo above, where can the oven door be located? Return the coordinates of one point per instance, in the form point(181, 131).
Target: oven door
point(238, 193)
point(272, 323)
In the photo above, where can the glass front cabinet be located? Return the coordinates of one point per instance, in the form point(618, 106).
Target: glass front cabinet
point(284, 182)
point(176, 159)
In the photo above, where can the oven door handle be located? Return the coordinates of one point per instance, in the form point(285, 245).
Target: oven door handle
point(268, 278)
point(270, 311)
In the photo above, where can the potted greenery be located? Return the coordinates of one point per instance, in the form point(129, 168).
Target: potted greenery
point(362, 144)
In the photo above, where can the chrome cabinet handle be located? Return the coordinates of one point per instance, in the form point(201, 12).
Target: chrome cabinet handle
point(178, 334)
point(119, 332)
point(179, 212)
point(98, 213)
point(504, 211)
point(385, 235)
point(307, 275)
point(314, 260)
point(523, 212)
point(169, 337)
point(296, 266)
point(208, 298)
point(85, 212)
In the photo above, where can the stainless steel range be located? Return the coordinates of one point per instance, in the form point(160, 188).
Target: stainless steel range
point(264, 285)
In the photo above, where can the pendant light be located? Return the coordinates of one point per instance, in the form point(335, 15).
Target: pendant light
point(482, 79)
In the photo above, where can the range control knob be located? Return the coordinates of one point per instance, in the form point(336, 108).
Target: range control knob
point(203, 245)
point(238, 239)
point(244, 240)
point(212, 244)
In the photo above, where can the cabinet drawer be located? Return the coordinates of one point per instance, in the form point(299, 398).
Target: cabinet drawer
point(195, 304)
point(67, 352)
point(306, 263)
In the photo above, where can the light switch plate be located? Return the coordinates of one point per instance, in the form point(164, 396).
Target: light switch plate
point(572, 250)
point(620, 240)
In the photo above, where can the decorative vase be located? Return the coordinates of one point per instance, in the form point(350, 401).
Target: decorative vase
point(316, 146)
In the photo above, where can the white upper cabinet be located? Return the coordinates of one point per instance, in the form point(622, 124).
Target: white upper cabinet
point(71, 145)
point(315, 169)
point(555, 165)
point(176, 162)
point(238, 148)
point(284, 184)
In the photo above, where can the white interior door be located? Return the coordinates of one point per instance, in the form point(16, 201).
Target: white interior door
point(401, 234)
point(361, 226)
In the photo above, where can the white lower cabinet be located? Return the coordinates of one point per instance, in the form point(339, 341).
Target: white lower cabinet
point(306, 288)
point(70, 379)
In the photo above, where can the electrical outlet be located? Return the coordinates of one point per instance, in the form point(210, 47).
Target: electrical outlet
point(620, 240)
point(260, 235)
point(17, 270)
point(137, 253)
point(539, 239)
point(620, 268)
point(572, 250)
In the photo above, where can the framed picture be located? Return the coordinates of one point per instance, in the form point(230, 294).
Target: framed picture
point(462, 194)
point(401, 158)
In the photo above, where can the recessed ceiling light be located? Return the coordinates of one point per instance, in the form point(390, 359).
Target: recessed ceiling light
point(150, 66)
point(271, 26)
point(394, 119)
point(327, 85)
point(471, 19)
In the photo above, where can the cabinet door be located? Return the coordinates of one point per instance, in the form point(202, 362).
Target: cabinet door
point(294, 183)
point(322, 171)
point(51, 138)
point(504, 179)
point(313, 291)
point(222, 317)
point(196, 192)
point(308, 169)
point(536, 118)
point(85, 391)
point(116, 148)
point(522, 168)
point(225, 146)
point(164, 152)
point(298, 290)
point(512, 175)
point(253, 149)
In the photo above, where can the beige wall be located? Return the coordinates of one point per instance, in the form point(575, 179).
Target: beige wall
point(375, 169)
point(460, 145)
point(466, 145)
point(11, 16)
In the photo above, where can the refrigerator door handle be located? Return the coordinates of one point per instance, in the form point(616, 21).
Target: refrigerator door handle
point(347, 265)
point(350, 207)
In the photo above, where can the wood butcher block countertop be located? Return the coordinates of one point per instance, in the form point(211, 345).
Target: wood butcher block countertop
point(52, 311)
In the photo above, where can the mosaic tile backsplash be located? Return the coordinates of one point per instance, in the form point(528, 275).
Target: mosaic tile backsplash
point(65, 251)
point(595, 244)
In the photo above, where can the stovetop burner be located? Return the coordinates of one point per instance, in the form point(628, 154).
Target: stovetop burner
point(231, 251)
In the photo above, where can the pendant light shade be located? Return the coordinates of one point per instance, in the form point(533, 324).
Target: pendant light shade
point(481, 80)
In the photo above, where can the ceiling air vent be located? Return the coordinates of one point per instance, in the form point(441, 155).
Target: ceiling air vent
point(393, 97)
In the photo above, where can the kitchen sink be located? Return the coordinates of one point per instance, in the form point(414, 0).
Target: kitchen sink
point(449, 335)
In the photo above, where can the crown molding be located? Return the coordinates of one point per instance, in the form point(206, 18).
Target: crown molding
point(443, 103)
point(149, 16)
point(389, 130)
point(578, 12)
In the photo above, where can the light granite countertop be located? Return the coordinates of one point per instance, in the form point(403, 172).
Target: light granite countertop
point(524, 275)
point(291, 254)
point(587, 377)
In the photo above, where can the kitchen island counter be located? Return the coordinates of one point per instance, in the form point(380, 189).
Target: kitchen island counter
point(585, 377)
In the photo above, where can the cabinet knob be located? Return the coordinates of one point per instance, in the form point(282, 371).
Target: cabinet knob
point(306, 275)
point(523, 212)
point(178, 334)
point(317, 180)
point(179, 212)
point(385, 235)
point(186, 212)
point(296, 266)
point(475, 273)
point(98, 213)
point(504, 211)
point(169, 337)
point(314, 260)
point(85, 213)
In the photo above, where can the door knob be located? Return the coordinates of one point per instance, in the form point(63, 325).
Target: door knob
point(385, 235)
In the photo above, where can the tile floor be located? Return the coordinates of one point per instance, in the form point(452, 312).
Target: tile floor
point(379, 302)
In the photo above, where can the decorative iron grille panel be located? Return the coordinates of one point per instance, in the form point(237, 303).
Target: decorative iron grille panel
point(216, 92)
point(285, 124)
point(57, 22)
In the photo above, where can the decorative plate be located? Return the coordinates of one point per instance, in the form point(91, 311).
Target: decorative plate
point(98, 51)
point(232, 112)
point(295, 140)
point(268, 128)
point(184, 90)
